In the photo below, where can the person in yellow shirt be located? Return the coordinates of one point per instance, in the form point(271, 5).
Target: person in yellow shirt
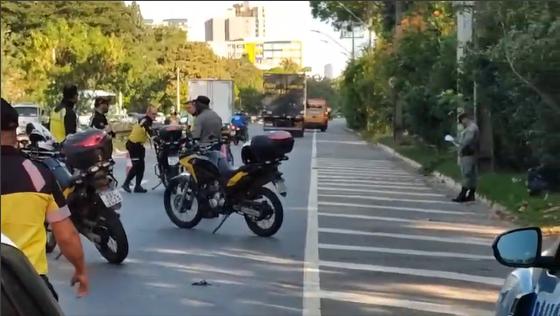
point(63, 119)
point(141, 132)
point(30, 196)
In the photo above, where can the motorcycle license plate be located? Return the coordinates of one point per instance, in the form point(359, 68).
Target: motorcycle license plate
point(111, 198)
point(173, 160)
point(280, 186)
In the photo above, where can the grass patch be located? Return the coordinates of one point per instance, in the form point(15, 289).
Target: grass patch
point(504, 187)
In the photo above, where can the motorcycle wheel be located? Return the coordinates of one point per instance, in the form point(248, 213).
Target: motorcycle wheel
point(51, 241)
point(171, 200)
point(270, 225)
point(116, 248)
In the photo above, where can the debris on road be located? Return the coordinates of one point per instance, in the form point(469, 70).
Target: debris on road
point(201, 283)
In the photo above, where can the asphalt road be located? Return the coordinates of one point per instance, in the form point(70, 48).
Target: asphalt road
point(362, 235)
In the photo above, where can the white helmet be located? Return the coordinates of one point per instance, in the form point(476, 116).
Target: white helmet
point(40, 135)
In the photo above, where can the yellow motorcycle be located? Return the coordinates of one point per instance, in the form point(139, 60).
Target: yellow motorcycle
point(211, 187)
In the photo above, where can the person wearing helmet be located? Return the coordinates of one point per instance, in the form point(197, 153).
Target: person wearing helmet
point(468, 150)
point(63, 119)
point(207, 126)
point(99, 118)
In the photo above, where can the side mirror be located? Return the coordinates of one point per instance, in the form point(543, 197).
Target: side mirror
point(519, 248)
point(449, 138)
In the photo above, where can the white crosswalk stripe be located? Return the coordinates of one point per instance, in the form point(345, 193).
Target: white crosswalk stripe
point(352, 199)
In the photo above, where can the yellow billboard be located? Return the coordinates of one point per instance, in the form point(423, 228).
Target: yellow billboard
point(250, 51)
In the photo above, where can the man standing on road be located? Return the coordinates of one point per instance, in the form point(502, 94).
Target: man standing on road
point(64, 120)
point(140, 133)
point(468, 150)
point(207, 127)
point(30, 196)
point(99, 119)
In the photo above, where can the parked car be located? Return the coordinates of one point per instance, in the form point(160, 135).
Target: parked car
point(533, 288)
point(23, 291)
point(29, 113)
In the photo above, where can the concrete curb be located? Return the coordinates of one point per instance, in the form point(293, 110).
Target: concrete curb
point(495, 207)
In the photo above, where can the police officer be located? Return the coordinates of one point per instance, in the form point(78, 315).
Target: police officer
point(140, 133)
point(30, 196)
point(63, 119)
point(207, 126)
point(99, 120)
point(468, 150)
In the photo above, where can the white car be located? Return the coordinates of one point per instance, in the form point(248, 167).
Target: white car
point(533, 288)
point(28, 113)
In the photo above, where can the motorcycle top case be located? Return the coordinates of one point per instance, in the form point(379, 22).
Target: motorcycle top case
point(170, 133)
point(268, 147)
point(87, 148)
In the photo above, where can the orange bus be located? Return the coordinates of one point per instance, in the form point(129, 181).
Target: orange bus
point(317, 114)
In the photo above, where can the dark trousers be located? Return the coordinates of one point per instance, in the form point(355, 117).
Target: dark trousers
point(49, 285)
point(137, 154)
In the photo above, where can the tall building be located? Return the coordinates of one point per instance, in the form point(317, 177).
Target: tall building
point(180, 23)
point(276, 51)
point(239, 28)
point(264, 55)
point(240, 22)
point(328, 71)
point(215, 30)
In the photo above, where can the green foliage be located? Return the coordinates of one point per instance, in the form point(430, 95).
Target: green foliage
point(104, 45)
point(516, 66)
point(324, 88)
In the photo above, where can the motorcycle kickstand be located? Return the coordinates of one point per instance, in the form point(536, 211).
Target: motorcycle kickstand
point(221, 223)
point(160, 183)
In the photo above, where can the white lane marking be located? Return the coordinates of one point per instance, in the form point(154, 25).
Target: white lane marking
point(437, 274)
point(379, 186)
point(408, 252)
point(350, 169)
point(334, 188)
point(372, 179)
point(311, 281)
point(456, 240)
point(385, 300)
point(396, 208)
point(378, 172)
point(343, 142)
point(361, 161)
point(377, 198)
point(373, 218)
point(368, 175)
point(353, 180)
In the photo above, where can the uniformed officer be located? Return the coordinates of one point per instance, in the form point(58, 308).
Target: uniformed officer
point(468, 162)
point(63, 118)
point(140, 133)
point(30, 196)
point(99, 119)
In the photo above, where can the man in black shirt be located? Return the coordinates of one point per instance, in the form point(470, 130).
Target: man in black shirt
point(99, 120)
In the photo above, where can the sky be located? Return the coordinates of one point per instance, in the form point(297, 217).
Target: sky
point(285, 20)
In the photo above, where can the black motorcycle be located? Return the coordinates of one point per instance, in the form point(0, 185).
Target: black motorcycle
point(90, 189)
point(167, 141)
point(210, 187)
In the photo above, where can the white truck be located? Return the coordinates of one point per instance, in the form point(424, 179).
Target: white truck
point(220, 93)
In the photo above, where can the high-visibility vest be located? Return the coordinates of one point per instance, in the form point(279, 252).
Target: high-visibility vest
point(57, 127)
point(138, 134)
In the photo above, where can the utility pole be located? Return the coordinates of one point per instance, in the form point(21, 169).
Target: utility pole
point(178, 92)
